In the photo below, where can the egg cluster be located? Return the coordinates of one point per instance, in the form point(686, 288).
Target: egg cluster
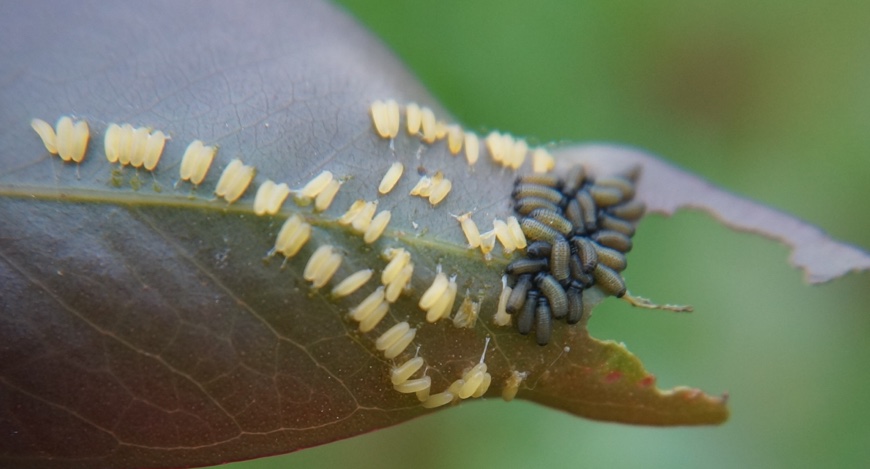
point(579, 230)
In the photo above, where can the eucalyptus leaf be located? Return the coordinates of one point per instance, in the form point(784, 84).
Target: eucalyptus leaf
point(143, 323)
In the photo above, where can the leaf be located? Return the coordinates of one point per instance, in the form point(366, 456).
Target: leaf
point(665, 189)
point(141, 326)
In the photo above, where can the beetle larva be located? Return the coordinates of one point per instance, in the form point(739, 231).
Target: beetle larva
point(377, 226)
point(605, 196)
point(270, 197)
point(352, 283)
point(554, 293)
point(609, 281)
point(526, 205)
point(517, 298)
point(401, 343)
point(537, 231)
point(588, 209)
point(428, 125)
point(527, 266)
point(574, 179)
point(553, 220)
point(438, 400)
point(610, 257)
point(586, 251)
point(526, 317)
point(375, 317)
point(46, 133)
point(539, 250)
point(367, 305)
point(609, 222)
point(234, 181)
point(413, 118)
point(401, 373)
point(523, 190)
point(544, 326)
point(613, 239)
point(559, 258)
point(454, 139)
point(196, 161)
point(414, 385)
point(625, 187)
point(324, 199)
point(550, 180)
point(542, 161)
point(630, 211)
point(472, 148)
point(575, 304)
point(575, 216)
point(391, 177)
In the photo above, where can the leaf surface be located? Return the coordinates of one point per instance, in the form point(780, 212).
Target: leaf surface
point(142, 325)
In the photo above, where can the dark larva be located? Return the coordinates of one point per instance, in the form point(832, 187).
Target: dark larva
point(586, 251)
point(539, 249)
point(527, 266)
point(575, 215)
point(544, 322)
point(540, 179)
point(574, 179)
point(575, 304)
point(552, 194)
point(554, 292)
point(605, 196)
point(553, 220)
point(612, 223)
point(518, 294)
point(610, 257)
point(588, 209)
point(613, 239)
point(609, 280)
point(525, 205)
point(576, 267)
point(537, 231)
point(559, 259)
point(526, 316)
point(631, 210)
point(624, 186)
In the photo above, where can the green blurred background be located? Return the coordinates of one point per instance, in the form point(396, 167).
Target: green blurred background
point(768, 98)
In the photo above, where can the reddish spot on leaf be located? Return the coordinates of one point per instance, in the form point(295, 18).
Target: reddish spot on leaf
point(613, 376)
point(647, 381)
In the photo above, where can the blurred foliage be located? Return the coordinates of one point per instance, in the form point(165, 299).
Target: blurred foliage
point(767, 98)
